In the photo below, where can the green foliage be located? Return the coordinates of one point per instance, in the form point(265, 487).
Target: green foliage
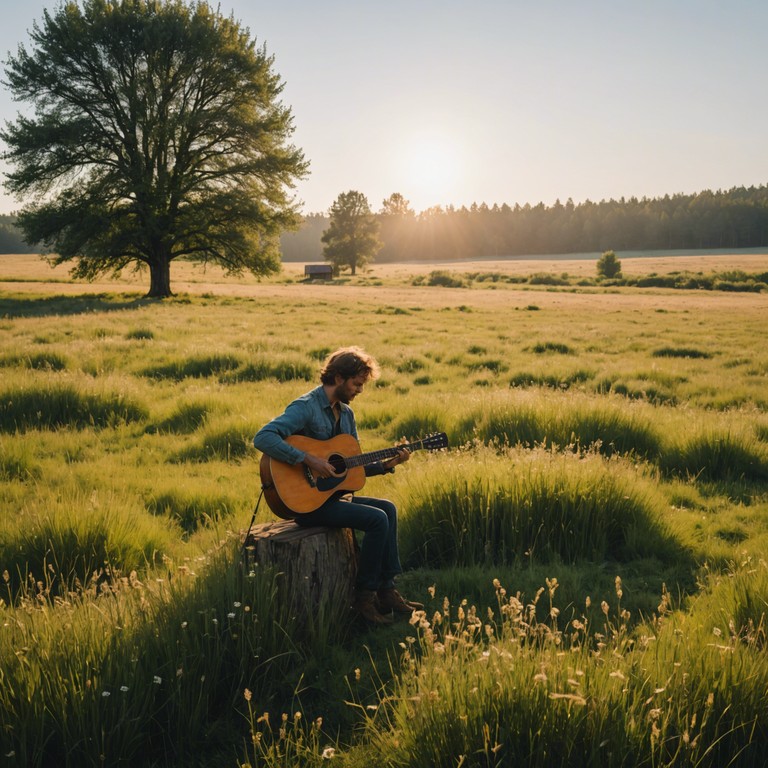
point(494, 365)
point(545, 279)
point(608, 266)
point(575, 425)
point(138, 674)
point(63, 405)
point(208, 178)
point(410, 365)
point(352, 237)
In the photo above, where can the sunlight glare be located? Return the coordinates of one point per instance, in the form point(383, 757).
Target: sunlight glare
point(431, 169)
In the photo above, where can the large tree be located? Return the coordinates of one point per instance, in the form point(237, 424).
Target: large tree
point(352, 237)
point(154, 131)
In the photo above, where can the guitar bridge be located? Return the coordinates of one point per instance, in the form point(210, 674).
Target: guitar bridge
point(310, 478)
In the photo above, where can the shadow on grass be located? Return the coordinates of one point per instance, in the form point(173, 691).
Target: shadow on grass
point(45, 306)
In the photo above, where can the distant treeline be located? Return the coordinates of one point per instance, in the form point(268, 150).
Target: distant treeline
point(11, 240)
point(736, 218)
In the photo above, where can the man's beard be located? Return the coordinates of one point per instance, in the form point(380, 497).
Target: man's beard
point(341, 395)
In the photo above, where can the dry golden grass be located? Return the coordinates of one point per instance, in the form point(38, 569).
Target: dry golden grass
point(391, 283)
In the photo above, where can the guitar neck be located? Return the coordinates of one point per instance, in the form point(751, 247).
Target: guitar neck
point(363, 459)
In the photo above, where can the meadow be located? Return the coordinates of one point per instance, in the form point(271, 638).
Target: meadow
point(591, 550)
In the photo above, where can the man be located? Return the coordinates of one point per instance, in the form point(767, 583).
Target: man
point(321, 414)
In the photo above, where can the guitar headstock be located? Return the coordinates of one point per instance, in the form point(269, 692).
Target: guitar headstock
point(434, 442)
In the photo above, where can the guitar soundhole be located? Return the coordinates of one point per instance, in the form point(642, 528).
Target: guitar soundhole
point(325, 484)
point(338, 462)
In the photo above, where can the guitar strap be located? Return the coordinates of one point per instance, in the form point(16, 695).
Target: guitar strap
point(250, 525)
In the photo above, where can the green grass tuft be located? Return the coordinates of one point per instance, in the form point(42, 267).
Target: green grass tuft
point(685, 352)
point(196, 366)
point(220, 444)
point(63, 405)
point(540, 507)
point(140, 334)
point(191, 510)
point(556, 347)
point(186, 417)
point(280, 369)
point(715, 455)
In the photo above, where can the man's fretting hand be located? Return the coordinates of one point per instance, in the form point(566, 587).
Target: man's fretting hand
point(402, 456)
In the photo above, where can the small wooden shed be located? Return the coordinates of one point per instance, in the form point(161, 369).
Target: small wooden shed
point(318, 271)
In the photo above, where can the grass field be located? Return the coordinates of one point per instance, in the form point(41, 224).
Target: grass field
point(591, 550)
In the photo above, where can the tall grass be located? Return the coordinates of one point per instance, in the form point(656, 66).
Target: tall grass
point(502, 687)
point(133, 643)
point(17, 462)
point(533, 507)
point(566, 422)
point(712, 453)
point(145, 671)
point(195, 366)
point(50, 406)
point(228, 442)
point(186, 417)
point(40, 361)
point(63, 544)
point(192, 509)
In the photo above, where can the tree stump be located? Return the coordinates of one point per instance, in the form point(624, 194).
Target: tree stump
point(312, 563)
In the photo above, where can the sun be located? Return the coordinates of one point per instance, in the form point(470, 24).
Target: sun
point(431, 165)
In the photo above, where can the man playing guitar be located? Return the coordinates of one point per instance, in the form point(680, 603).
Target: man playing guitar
point(322, 414)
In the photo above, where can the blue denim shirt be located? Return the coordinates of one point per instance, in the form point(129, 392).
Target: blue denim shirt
point(310, 415)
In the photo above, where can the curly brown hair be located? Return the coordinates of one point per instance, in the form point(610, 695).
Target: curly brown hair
point(349, 362)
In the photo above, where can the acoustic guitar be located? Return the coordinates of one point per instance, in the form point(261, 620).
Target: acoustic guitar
point(293, 489)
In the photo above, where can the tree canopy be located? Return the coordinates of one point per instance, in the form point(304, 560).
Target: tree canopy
point(608, 265)
point(156, 132)
point(352, 237)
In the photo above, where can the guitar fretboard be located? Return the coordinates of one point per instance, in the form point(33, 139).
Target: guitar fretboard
point(386, 453)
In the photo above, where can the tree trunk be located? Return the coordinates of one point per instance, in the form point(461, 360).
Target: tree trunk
point(160, 278)
point(313, 564)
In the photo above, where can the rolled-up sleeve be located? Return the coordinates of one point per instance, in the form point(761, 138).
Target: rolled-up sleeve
point(270, 439)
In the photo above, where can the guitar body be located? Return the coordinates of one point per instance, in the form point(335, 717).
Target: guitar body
point(292, 489)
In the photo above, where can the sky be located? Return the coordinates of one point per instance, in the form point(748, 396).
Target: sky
point(504, 101)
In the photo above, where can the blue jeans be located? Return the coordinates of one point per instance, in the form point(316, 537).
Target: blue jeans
point(377, 519)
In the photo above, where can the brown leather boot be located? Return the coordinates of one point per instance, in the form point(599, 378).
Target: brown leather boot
point(365, 605)
point(391, 600)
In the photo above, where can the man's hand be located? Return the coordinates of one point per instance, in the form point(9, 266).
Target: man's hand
point(402, 456)
point(320, 467)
